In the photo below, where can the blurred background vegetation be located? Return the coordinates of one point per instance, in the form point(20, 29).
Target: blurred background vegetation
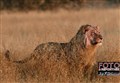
point(55, 4)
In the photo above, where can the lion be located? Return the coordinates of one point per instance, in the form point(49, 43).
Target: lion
point(62, 61)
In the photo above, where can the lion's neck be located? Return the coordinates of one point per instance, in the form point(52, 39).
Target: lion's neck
point(80, 54)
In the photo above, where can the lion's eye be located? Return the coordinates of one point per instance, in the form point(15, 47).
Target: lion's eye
point(92, 33)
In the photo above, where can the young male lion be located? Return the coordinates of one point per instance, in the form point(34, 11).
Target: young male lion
point(62, 61)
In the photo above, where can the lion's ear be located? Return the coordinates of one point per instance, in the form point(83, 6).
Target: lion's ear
point(85, 28)
point(97, 27)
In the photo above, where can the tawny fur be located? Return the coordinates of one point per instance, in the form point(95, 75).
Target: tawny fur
point(59, 61)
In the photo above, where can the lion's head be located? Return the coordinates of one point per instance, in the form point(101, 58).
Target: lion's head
point(91, 35)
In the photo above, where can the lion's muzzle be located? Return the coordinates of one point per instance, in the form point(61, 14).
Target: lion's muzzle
point(98, 40)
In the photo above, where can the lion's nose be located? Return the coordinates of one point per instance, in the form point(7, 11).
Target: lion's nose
point(100, 36)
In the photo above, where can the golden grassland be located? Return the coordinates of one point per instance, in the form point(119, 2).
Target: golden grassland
point(21, 32)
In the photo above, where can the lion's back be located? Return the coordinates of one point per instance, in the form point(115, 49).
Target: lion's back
point(50, 50)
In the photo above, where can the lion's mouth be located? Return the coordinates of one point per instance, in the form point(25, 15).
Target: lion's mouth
point(97, 42)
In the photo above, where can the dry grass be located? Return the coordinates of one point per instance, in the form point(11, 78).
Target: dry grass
point(22, 32)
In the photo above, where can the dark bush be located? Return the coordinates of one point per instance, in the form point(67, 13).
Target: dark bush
point(51, 4)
